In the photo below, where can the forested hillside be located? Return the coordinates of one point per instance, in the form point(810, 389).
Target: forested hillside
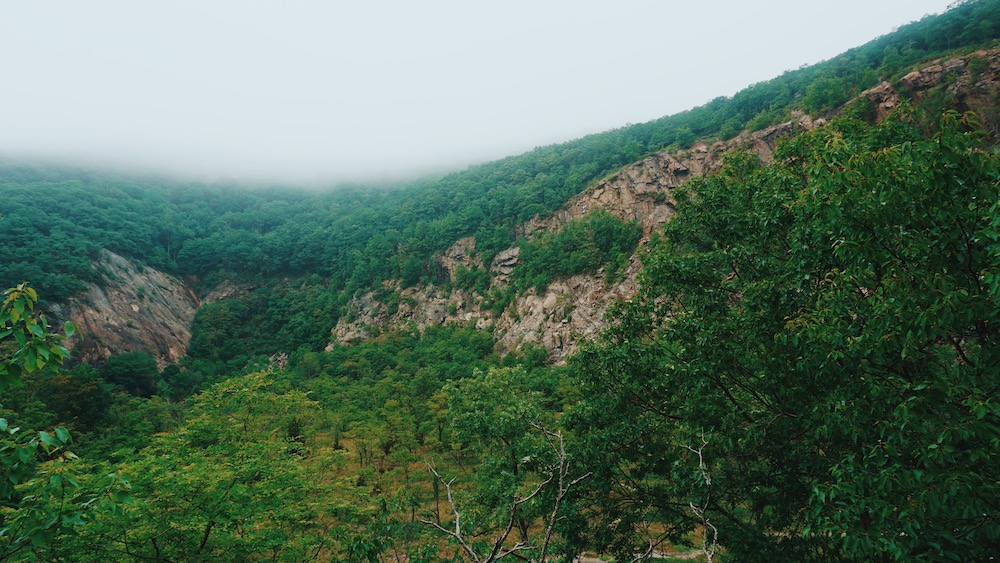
point(807, 369)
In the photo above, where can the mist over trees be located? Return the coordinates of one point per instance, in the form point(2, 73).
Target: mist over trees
point(809, 370)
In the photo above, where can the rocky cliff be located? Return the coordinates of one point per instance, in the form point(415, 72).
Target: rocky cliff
point(135, 308)
point(574, 308)
point(569, 309)
point(142, 309)
point(969, 83)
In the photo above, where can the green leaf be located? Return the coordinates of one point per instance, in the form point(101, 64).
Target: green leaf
point(36, 330)
point(63, 435)
point(47, 439)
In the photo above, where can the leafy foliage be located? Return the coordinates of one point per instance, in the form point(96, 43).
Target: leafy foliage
point(827, 324)
point(227, 485)
point(581, 246)
point(41, 496)
point(810, 370)
point(25, 333)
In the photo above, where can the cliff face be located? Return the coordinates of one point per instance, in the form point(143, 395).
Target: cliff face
point(143, 309)
point(568, 309)
point(137, 308)
point(968, 82)
point(574, 308)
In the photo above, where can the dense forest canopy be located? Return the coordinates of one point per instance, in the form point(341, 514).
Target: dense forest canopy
point(809, 370)
point(57, 217)
point(822, 332)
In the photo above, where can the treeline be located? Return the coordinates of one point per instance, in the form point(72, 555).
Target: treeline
point(55, 219)
point(808, 372)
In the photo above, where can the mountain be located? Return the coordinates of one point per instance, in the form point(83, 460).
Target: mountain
point(140, 308)
point(763, 329)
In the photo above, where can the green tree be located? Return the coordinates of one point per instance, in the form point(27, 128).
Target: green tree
point(522, 503)
point(822, 330)
point(231, 484)
point(581, 246)
point(135, 372)
point(41, 495)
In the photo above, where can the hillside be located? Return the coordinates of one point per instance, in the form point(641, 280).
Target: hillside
point(555, 317)
point(763, 329)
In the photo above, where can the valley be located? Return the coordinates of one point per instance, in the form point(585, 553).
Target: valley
point(762, 329)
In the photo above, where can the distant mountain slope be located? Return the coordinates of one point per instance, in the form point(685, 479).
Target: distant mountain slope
point(557, 317)
point(310, 255)
point(471, 291)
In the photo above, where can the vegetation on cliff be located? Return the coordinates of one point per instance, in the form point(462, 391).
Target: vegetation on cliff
point(808, 372)
point(811, 369)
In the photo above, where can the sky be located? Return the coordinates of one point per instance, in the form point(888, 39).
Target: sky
point(314, 91)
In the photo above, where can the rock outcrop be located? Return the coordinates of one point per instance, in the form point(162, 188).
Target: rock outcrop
point(569, 309)
point(462, 253)
point(136, 308)
point(969, 82)
point(642, 192)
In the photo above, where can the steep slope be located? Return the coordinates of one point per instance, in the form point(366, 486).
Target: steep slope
point(141, 308)
point(570, 308)
point(136, 308)
point(573, 308)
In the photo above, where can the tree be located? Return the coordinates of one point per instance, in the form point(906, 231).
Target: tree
point(136, 372)
point(826, 325)
point(231, 484)
point(41, 496)
point(525, 475)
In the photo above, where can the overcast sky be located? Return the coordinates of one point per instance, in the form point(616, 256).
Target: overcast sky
point(307, 90)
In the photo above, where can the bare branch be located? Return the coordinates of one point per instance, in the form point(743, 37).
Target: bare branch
point(561, 470)
point(557, 474)
point(701, 513)
point(457, 534)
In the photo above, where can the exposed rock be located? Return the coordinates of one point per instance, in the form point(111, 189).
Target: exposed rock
point(641, 192)
point(884, 99)
point(462, 253)
point(227, 290)
point(972, 83)
point(420, 307)
point(137, 308)
point(504, 263)
point(569, 309)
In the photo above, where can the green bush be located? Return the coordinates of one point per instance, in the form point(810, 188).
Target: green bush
point(583, 246)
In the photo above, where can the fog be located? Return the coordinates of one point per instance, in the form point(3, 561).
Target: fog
point(313, 91)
